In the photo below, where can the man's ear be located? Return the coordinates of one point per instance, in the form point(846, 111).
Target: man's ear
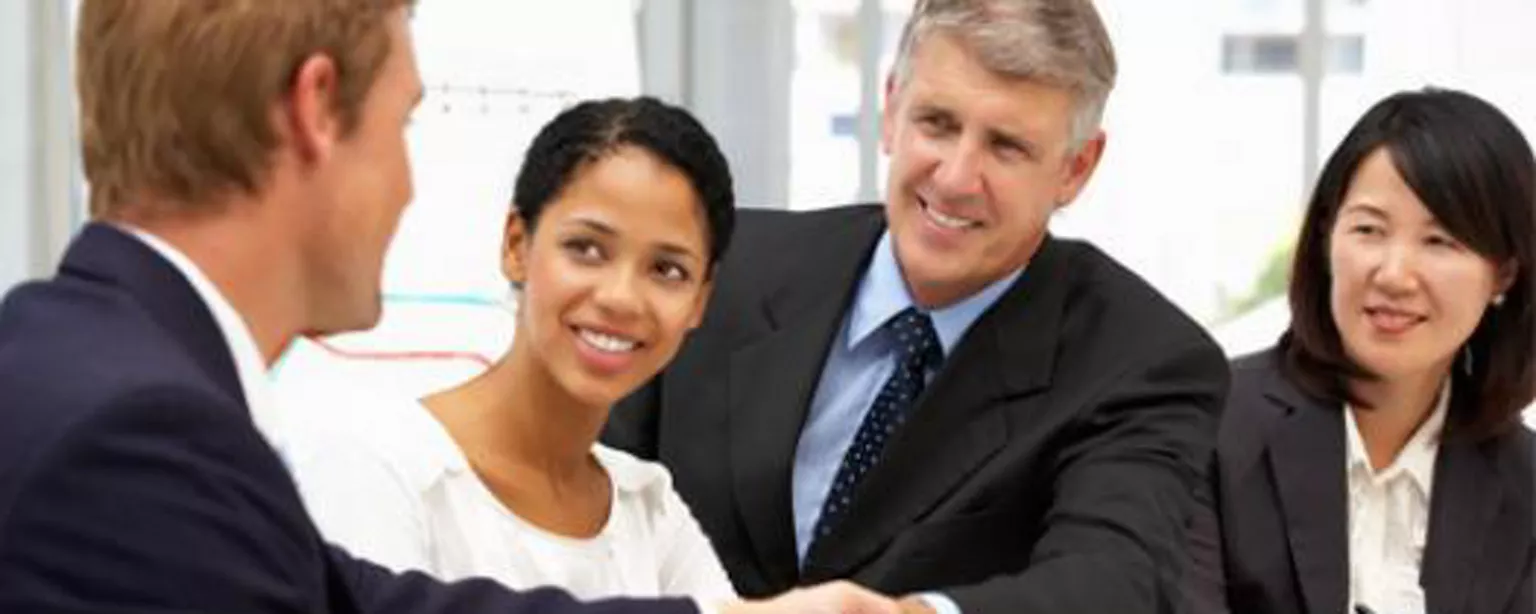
point(1080, 167)
point(309, 115)
point(514, 249)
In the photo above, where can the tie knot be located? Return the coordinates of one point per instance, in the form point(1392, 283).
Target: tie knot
point(913, 332)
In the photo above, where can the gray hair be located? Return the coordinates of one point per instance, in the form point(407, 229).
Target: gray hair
point(1061, 43)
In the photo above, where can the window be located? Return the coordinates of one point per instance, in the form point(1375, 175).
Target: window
point(1280, 54)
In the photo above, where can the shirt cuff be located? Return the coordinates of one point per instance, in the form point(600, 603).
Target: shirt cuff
point(708, 606)
point(940, 603)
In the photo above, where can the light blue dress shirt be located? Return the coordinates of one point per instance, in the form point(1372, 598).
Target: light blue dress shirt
point(860, 360)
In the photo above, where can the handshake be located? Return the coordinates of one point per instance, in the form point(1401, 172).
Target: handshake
point(839, 597)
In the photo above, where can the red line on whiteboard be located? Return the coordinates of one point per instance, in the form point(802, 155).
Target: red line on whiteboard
point(402, 355)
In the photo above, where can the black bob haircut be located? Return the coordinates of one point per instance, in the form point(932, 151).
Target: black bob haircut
point(1472, 168)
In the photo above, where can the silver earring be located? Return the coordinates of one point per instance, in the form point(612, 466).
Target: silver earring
point(1498, 300)
point(1467, 362)
point(508, 301)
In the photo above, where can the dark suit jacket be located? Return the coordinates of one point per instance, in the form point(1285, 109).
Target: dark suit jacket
point(1281, 492)
point(1047, 468)
point(132, 478)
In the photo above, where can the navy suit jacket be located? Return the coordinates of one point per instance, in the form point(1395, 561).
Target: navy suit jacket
point(133, 480)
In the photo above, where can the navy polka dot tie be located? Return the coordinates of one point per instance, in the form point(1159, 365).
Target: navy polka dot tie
point(917, 351)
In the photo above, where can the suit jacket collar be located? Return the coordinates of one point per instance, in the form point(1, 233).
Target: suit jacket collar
point(1307, 459)
point(960, 421)
point(957, 425)
point(106, 254)
point(773, 376)
point(1479, 526)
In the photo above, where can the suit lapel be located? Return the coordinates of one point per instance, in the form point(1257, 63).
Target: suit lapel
point(104, 253)
point(1468, 536)
point(959, 422)
point(773, 378)
point(1307, 458)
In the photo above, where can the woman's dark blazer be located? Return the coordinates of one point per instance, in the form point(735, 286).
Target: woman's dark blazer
point(1272, 535)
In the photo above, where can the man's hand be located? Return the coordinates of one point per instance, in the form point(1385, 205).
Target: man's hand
point(831, 598)
point(914, 605)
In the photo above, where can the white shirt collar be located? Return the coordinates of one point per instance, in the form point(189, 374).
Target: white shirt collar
point(1417, 458)
point(249, 365)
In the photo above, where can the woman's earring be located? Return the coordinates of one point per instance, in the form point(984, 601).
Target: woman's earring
point(1498, 300)
point(509, 300)
point(1467, 356)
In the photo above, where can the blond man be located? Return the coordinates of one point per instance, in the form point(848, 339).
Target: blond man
point(248, 167)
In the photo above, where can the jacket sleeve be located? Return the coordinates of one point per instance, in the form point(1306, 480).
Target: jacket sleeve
point(1114, 536)
point(170, 501)
point(1206, 584)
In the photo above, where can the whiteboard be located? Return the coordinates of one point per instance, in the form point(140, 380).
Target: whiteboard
point(495, 72)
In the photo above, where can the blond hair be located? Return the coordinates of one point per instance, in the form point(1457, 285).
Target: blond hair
point(176, 95)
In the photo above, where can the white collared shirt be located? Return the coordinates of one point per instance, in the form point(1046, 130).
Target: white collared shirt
point(1389, 516)
point(384, 479)
point(250, 367)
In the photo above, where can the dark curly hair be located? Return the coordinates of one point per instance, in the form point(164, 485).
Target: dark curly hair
point(593, 129)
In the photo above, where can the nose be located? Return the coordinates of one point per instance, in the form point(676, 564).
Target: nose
point(958, 174)
point(618, 293)
point(1396, 273)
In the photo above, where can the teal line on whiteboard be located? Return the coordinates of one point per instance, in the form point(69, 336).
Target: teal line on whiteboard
point(442, 299)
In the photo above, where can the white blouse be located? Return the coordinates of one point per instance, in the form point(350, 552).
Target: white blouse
point(1389, 516)
point(384, 480)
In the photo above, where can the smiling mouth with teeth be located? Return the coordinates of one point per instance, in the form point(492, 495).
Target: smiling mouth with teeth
point(945, 221)
point(607, 343)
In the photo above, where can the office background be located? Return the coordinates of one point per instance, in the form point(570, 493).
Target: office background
point(1223, 113)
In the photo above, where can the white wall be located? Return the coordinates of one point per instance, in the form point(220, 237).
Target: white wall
point(39, 177)
point(15, 142)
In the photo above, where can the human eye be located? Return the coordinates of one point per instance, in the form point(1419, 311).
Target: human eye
point(583, 249)
point(671, 271)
